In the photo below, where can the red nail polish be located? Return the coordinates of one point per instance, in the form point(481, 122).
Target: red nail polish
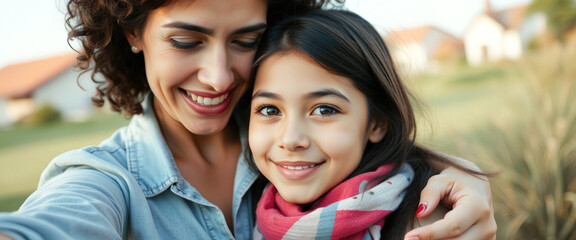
point(421, 208)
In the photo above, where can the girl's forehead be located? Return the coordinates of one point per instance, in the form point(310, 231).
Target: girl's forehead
point(296, 71)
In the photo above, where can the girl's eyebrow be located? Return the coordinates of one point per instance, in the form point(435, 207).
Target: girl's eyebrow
point(315, 94)
point(196, 28)
point(327, 92)
point(265, 94)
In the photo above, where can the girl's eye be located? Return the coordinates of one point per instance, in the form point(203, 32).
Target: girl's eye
point(268, 110)
point(184, 45)
point(325, 110)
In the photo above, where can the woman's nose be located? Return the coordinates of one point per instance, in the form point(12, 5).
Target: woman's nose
point(293, 136)
point(216, 70)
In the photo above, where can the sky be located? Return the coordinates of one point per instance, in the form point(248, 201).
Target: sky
point(34, 29)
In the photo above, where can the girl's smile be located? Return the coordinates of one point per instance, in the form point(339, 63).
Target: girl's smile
point(297, 170)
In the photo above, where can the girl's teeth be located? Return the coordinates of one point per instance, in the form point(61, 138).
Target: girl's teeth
point(299, 167)
point(207, 101)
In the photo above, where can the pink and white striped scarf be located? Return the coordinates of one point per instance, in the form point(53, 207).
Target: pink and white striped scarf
point(348, 211)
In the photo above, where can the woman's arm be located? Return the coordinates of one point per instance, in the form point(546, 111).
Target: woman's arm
point(472, 214)
point(77, 204)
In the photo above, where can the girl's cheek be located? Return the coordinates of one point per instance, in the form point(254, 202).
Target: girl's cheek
point(258, 140)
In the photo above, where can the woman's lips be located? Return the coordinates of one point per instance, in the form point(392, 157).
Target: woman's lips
point(297, 170)
point(208, 103)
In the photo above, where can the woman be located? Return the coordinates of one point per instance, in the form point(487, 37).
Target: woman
point(179, 70)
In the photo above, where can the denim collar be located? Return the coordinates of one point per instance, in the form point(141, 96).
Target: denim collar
point(149, 158)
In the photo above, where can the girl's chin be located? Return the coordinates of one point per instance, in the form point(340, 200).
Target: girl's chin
point(298, 196)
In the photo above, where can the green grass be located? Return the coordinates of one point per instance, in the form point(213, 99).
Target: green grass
point(459, 104)
point(12, 202)
point(27, 134)
point(26, 150)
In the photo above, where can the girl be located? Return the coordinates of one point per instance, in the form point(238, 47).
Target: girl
point(333, 129)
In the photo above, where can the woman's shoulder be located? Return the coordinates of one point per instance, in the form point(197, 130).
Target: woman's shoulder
point(109, 156)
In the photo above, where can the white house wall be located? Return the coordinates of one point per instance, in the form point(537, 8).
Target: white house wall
point(512, 47)
point(485, 33)
point(64, 94)
point(17, 109)
point(5, 121)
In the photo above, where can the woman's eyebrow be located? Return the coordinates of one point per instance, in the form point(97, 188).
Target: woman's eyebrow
point(188, 26)
point(251, 28)
point(196, 28)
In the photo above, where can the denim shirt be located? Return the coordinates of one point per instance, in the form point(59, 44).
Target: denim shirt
point(128, 187)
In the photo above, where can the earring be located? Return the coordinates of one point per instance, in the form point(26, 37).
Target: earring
point(134, 49)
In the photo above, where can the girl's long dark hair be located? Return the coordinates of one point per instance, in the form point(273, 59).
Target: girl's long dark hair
point(345, 44)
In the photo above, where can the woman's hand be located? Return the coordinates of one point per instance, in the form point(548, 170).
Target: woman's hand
point(472, 214)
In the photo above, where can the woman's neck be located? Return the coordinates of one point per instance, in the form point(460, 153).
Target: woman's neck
point(187, 146)
point(201, 157)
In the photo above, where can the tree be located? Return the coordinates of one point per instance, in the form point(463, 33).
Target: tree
point(560, 14)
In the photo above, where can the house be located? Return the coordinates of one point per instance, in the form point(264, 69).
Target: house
point(495, 35)
point(53, 81)
point(419, 49)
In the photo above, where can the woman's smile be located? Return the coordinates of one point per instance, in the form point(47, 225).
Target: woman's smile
point(205, 100)
point(208, 103)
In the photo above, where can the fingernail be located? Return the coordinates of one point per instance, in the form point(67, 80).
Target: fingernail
point(412, 238)
point(421, 208)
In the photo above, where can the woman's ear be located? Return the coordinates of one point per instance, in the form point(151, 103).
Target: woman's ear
point(134, 42)
point(377, 131)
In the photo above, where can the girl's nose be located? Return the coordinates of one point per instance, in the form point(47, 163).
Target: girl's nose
point(293, 136)
point(216, 70)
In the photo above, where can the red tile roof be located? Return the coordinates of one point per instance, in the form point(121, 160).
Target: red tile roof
point(447, 45)
point(511, 18)
point(20, 80)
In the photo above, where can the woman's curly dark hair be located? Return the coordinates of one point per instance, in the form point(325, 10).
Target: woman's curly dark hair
point(100, 26)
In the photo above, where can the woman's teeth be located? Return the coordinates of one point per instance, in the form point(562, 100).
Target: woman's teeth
point(207, 101)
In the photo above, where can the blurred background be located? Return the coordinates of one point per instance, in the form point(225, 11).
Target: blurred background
point(496, 78)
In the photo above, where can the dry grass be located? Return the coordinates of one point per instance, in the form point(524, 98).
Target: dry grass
point(535, 194)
